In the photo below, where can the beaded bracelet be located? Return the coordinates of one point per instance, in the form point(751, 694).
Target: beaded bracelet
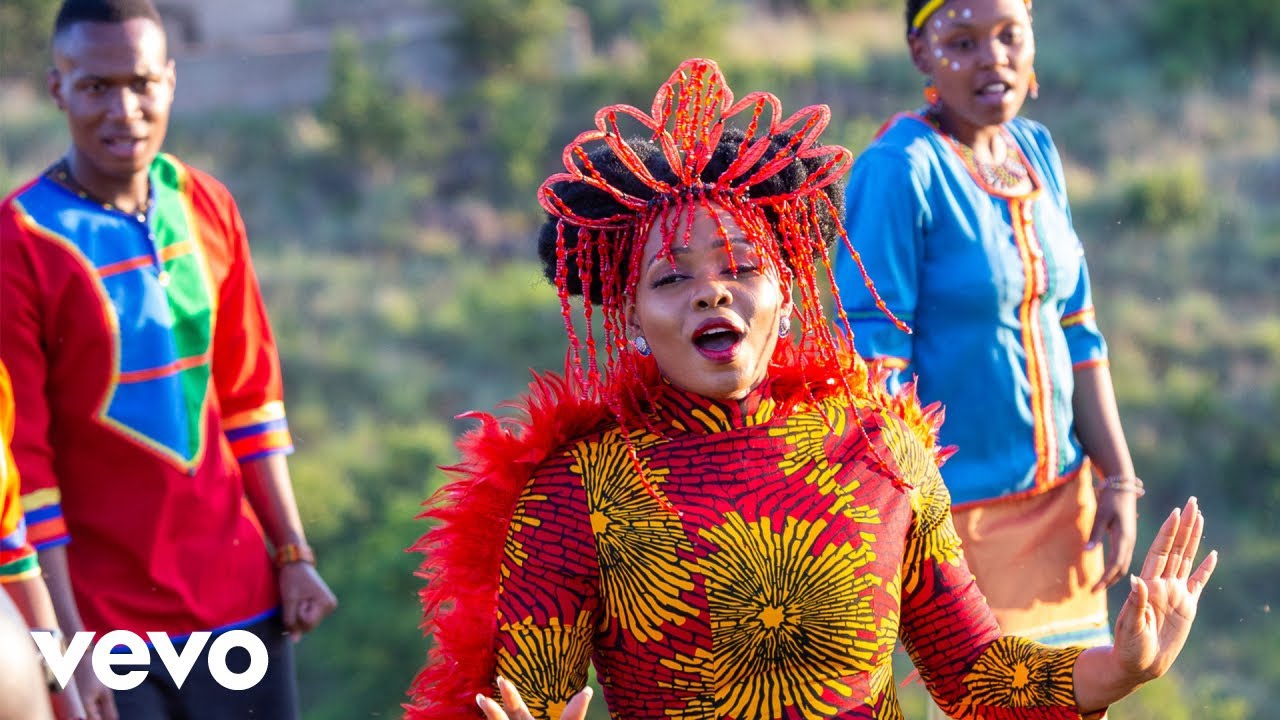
point(1122, 483)
point(294, 552)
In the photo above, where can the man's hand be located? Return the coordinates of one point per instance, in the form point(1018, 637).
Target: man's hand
point(306, 598)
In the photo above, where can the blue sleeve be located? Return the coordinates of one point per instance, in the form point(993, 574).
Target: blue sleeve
point(1079, 324)
point(885, 215)
point(1084, 340)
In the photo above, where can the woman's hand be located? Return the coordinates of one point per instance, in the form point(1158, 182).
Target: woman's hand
point(1116, 521)
point(1156, 618)
point(513, 708)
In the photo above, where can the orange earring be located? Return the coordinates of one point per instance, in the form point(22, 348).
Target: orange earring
point(932, 96)
point(1034, 89)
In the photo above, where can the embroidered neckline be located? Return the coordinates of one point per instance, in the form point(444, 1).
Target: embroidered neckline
point(966, 159)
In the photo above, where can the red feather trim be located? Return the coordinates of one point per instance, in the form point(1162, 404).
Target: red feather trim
point(463, 551)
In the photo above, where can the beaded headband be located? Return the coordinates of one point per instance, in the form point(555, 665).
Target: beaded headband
point(690, 117)
point(927, 10)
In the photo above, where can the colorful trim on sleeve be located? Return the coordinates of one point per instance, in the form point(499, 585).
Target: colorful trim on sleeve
point(258, 433)
point(1091, 362)
point(46, 527)
point(17, 556)
point(1079, 317)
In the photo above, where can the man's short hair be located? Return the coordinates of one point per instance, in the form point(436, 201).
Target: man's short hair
point(110, 11)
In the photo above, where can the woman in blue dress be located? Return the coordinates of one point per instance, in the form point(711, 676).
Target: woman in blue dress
point(959, 212)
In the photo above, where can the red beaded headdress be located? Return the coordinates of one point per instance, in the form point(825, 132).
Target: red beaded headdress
point(784, 220)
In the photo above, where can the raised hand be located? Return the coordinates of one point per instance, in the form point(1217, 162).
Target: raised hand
point(513, 708)
point(1156, 618)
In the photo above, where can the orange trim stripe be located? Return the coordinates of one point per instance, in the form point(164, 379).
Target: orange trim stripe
point(1078, 317)
point(124, 266)
point(178, 249)
point(1096, 362)
point(47, 530)
point(1033, 342)
point(274, 440)
point(177, 366)
point(1030, 492)
point(266, 413)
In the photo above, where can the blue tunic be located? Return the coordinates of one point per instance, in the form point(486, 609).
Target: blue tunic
point(996, 290)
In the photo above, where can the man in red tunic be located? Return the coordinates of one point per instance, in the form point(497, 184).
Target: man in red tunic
point(151, 434)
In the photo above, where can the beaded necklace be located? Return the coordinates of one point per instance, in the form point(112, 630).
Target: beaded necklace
point(62, 173)
point(1003, 175)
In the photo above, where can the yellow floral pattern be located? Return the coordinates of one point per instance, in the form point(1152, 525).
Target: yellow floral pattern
point(642, 573)
point(550, 665)
point(786, 611)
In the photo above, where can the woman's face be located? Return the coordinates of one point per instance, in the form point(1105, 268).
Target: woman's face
point(980, 55)
point(712, 330)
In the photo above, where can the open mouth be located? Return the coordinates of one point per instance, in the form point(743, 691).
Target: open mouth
point(994, 91)
point(123, 146)
point(717, 340)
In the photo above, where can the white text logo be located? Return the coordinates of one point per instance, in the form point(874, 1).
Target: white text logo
point(136, 653)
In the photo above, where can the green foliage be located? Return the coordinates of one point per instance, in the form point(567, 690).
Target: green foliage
point(1199, 38)
point(1166, 197)
point(519, 36)
point(372, 122)
point(828, 6)
point(25, 27)
point(679, 30)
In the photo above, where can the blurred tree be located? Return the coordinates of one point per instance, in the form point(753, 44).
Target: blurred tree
point(811, 7)
point(1235, 36)
point(677, 30)
point(519, 36)
point(25, 26)
point(374, 122)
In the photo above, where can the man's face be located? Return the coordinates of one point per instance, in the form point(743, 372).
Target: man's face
point(115, 83)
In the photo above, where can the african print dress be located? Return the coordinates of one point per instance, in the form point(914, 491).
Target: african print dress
point(804, 545)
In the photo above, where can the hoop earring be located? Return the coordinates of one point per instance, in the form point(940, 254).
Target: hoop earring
point(784, 327)
point(642, 346)
point(1034, 89)
point(932, 96)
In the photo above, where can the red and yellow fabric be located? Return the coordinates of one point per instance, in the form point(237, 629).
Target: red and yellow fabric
point(809, 539)
point(145, 373)
point(17, 556)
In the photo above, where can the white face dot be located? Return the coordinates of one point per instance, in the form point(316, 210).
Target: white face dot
point(968, 13)
point(955, 66)
point(937, 22)
point(937, 52)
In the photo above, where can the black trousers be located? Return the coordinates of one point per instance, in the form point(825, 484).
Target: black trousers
point(275, 697)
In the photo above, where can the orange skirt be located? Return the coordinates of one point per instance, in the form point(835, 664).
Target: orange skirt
point(1028, 558)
